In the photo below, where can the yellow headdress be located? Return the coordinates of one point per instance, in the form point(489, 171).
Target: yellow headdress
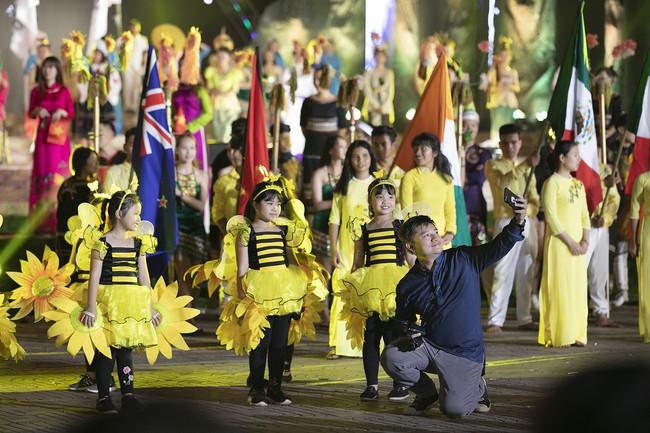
point(191, 63)
point(278, 183)
point(506, 44)
point(273, 182)
point(383, 180)
point(223, 40)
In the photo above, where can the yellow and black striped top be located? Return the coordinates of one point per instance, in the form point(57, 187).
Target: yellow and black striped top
point(383, 245)
point(121, 264)
point(267, 250)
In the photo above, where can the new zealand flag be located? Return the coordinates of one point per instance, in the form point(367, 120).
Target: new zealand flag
point(153, 162)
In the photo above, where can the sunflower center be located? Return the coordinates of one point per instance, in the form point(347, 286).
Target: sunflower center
point(43, 286)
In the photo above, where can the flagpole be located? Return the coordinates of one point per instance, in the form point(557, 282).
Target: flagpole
point(600, 85)
point(277, 100)
point(619, 152)
point(461, 160)
point(541, 142)
point(96, 114)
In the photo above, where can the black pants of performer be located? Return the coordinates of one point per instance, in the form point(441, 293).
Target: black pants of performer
point(288, 356)
point(92, 367)
point(104, 367)
point(375, 331)
point(274, 344)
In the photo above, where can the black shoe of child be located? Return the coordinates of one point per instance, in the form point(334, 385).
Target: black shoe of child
point(276, 396)
point(105, 406)
point(131, 404)
point(286, 376)
point(83, 385)
point(256, 397)
point(370, 394)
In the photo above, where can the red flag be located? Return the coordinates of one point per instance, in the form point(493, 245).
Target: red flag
point(639, 124)
point(256, 152)
point(58, 131)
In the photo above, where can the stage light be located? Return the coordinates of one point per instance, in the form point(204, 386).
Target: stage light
point(518, 114)
point(410, 113)
point(541, 116)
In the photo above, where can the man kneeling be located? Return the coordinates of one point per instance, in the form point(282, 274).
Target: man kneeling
point(443, 288)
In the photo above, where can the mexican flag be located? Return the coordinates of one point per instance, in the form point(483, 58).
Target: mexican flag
point(639, 124)
point(435, 114)
point(571, 112)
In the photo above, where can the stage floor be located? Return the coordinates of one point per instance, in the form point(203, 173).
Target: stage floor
point(33, 395)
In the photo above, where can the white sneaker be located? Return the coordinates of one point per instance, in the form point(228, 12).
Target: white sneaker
point(620, 299)
point(534, 299)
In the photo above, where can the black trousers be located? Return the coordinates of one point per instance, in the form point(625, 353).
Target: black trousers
point(104, 367)
point(274, 344)
point(375, 331)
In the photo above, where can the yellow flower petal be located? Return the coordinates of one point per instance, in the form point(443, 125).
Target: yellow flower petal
point(75, 342)
point(152, 354)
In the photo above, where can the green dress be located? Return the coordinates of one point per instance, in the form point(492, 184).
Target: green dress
point(321, 220)
point(192, 239)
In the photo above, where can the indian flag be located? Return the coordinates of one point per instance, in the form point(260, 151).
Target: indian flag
point(639, 124)
point(435, 114)
point(571, 113)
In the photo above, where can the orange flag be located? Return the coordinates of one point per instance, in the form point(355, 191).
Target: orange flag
point(435, 114)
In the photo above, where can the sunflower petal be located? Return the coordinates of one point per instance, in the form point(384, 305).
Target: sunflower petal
point(174, 338)
point(89, 348)
point(61, 328)
point(152, 354)
point(165, 348)
point(183, 327)
point(75, 343)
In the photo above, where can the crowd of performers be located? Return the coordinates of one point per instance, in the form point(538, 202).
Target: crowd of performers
point(341, 237)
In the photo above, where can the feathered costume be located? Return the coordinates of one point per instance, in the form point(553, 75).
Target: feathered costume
point(303, 286)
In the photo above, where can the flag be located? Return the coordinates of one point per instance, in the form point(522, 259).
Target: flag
point(24, 27)
point(98, 23)
point(435, 114)
point(153, 162)
point(571, 113)
point(639, 124)
point(256, 151)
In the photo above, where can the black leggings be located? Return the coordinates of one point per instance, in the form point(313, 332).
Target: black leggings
point(104, 367)
point(274, 344)
point(288, 356)
point(375, 330)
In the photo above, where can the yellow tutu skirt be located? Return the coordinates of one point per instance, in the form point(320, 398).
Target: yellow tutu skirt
point(372, 290)
point(128, 311)
point(279, 289)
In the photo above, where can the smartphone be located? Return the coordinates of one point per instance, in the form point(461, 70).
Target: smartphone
point(510, 198)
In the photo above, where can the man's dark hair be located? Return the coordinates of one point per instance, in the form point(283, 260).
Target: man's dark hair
point(412, 225)
point(388, 130)
point(509, 128)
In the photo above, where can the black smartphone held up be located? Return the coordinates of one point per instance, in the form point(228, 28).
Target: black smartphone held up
point(510, 198)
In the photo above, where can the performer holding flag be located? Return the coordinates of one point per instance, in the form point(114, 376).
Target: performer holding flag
point(563, 293)
point(435, 114)
point(153, 163)
point(639, 184)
